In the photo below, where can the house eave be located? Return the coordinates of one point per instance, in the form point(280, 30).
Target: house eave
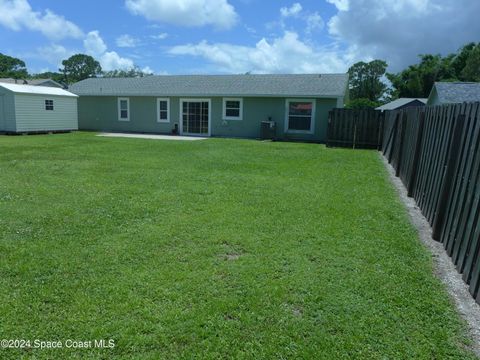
point(316, 96)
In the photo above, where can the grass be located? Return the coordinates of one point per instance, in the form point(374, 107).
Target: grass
point(213, 249)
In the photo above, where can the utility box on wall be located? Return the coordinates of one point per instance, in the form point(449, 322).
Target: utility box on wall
point(268, 130)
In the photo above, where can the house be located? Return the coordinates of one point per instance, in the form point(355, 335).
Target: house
point(36, 82)
point(212, 105)
point(454, 92)
point(28, 108)
point(402, 103)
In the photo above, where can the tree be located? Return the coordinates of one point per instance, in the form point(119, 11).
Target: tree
point(12, 67)
point(365, 80)
point(460, 59)
point(417, 80)
point(134, 72)
point(362, 103)
point(79, 67)
point(471, 70)
point(55, 76)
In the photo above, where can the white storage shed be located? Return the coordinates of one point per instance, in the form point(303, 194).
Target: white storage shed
point(28, 108)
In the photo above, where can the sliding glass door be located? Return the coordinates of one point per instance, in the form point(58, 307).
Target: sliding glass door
point(195, 117)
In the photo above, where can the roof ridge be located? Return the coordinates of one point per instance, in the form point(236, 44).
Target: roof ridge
point(327, 85)
point(219, 75)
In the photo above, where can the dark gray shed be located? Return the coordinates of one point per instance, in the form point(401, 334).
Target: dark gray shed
point(402, 103)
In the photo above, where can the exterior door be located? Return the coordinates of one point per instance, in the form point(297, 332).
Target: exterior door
point(195, 117)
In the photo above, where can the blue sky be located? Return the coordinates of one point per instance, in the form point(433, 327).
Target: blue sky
point(234, 36)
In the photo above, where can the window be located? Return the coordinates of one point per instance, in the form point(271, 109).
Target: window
point(49, 105)
point(300, 115)
point(123, 109)
point(163, 110)
point(232, 109)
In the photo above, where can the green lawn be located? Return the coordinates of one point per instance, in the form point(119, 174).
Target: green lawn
point(213, 249)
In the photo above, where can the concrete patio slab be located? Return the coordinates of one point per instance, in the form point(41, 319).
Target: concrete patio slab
point(152, 136)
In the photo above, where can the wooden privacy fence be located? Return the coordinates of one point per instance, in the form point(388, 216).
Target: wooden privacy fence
point(436, 153)
point(355, 128)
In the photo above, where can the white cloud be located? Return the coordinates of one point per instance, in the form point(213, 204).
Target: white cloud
point(286, 54)
point(161, 36)
point(126, 41)
point(94, 44)
point(399, 30)
point(54, 54)
point(147, 70)
point(314, 22)
point(293, 10)
point(109, 60)
point(18, 14)
point(341, 5)
point(190, 13)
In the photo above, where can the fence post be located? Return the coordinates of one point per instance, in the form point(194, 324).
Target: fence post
point(452, 160)
point(380, 125)
point(418, 151)
point(393, 137)
point(354, 130)
point(400, 144)
point(329, 128)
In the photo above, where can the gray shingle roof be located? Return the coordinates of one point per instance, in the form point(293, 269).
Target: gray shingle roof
point(457, 92)
point(395, 104)
point(328, 85)
point(38, 82)
point(13, 81)
point(45, 82)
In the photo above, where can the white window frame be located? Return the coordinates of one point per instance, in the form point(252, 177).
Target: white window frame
point(224, 111)
point(120, 110)
point(287, 115)
point(167, 120)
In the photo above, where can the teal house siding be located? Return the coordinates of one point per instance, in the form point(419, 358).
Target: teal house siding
point(255, 110)
point(433, 98)
point(248, 100)
point(100, 113)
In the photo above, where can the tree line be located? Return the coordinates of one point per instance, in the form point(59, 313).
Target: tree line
point(370, 84)
point(76, 68)
point(368, 81)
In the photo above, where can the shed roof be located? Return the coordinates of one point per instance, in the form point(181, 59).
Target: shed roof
point(13, 81)
point(315, 85)
point(41, 82)
point(32, 89)
point(457, 92)
point(30, 82)
point(395, 104)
